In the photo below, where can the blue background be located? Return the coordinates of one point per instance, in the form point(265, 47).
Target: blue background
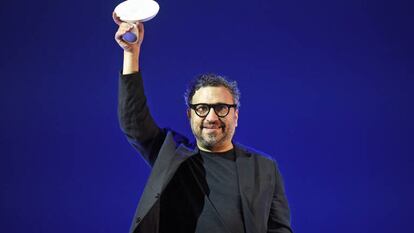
point(327, 89)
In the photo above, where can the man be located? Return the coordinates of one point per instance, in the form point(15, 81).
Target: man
point(213, 185)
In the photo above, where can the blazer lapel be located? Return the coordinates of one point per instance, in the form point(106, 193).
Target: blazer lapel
point(162, 172)
point(246, 175)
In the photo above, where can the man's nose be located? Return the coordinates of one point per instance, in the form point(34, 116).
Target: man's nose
point(212, 116)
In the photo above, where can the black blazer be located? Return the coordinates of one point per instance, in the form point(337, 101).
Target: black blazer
point(264, 204)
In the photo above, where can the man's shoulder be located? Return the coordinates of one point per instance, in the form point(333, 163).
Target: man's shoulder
point(178, 139)
point(250, 151)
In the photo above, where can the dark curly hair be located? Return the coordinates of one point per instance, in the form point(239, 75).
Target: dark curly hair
point(211, 80)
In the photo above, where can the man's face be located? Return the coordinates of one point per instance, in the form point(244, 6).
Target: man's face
point(213, 133)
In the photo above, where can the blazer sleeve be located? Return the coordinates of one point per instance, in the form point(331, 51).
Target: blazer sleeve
point(279, 217)
point(135, 119)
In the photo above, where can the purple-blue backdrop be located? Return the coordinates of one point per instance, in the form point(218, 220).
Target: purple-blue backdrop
point(327, 89)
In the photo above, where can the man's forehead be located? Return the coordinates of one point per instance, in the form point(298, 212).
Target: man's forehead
point(212, 95)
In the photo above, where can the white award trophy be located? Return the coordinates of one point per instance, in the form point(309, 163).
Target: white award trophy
point(133, 11)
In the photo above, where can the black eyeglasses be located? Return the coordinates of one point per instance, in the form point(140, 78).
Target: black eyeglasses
point(221, 110)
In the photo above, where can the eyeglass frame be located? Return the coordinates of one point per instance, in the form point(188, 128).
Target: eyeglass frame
point(229, 106)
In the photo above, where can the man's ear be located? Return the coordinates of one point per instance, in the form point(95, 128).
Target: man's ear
point(188, 113)
point(236, 116)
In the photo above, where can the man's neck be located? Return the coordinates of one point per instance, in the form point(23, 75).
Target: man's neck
point(217, 149)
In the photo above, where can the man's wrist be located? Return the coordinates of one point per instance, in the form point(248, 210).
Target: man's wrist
point(131, 61)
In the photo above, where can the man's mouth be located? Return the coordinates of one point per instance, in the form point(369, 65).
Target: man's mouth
point(211, 127)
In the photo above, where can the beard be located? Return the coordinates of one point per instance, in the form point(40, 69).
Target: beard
point(211, 135)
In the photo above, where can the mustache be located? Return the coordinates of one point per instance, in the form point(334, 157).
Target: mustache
point(216, 124)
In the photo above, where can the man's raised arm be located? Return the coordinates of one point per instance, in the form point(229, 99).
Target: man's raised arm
point(134, 116)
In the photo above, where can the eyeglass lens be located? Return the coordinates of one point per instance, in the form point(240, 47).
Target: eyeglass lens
point(220, 109)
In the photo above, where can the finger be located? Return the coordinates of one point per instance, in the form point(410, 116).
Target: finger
point(141, 32)
point(123, 28)
point(116, 18)
point(126, 26)
point(124, 45)
point(131, 26)
point(118, 37)
point(140, 27)
point(119, 34)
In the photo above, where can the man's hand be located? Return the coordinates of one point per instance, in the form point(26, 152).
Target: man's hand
point(124, 27)
point(131, 51)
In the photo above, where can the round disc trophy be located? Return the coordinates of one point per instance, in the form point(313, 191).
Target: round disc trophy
point(133, 11)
